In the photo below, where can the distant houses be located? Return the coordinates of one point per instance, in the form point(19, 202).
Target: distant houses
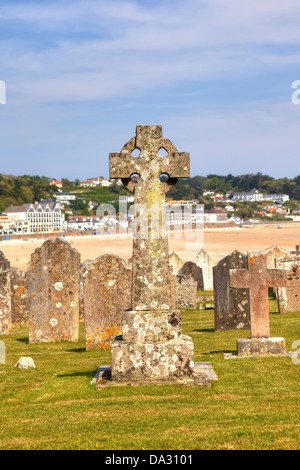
point(254, 195)
point(94, 182)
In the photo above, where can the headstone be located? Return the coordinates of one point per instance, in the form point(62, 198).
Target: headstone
point(25, 363)
point(83, 270)
point(205, 262)
point(54, 293)
point(152, 348)
point(273, 254)
point(19, 298)
point(257, 278)
point(5, 296)
point(175, 262)
point(289, 296)
point(107, 292)
point(191, 269)
point(232, 305)
point(186, 292)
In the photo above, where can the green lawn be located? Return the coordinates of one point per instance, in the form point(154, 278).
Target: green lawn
point(254, 405)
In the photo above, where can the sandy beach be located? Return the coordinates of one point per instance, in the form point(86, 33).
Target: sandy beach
point(217, 242)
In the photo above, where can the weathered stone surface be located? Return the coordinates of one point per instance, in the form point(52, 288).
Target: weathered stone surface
point(232, 305)
point(151, 327)
point(191, 269)
point(54, 293)
point(186, 292)
point(205, 262)
point(261, 347)
point(107, 292)
point(257, 278)
point(25, 363)
point(151, 274)
point(19, 298)
point(289, 296)
point(148, 355)
point(175, 262)
point(161, 360)
point(5, 296)
point(84, 267)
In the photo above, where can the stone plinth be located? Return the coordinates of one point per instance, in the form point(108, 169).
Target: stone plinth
point(152, 348)
point(261, 347)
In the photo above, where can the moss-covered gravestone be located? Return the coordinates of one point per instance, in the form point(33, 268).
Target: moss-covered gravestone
point(54, 293)
point(152, 348)
point(5, 296)
point(107, 286)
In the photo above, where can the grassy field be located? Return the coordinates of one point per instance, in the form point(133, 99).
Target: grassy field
point(254, 405)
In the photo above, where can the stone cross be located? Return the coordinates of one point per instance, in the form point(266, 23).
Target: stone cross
point(151, 273)
point(297, 252)
point(257, 278)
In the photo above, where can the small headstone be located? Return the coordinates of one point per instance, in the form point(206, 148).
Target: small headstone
point(186, 292)
point(232, 305)
point(5, 296)
point(107, 293)
point(19, 298)
point(191, 269)
point(54, 293)
point(205, 262)
point(175, 262)
point(25, 363)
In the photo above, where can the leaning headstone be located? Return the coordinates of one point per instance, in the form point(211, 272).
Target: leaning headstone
point(232, 306)
point(186, 292)
point(107, 292)
point(152, 348)
point(5, 296)
point(19, 299)
point(257, 278)
point(205, 262)
point(191, 269)
point(289, 296)
point(175, 262)
point(54, 293)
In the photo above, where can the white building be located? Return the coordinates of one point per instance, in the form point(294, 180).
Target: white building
point(66, 198)
point(44, 216)
point(254, 195)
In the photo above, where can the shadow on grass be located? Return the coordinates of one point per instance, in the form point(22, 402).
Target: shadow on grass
point(78, 350)
point(79, 374)
point(23, 340)
point(207, 330)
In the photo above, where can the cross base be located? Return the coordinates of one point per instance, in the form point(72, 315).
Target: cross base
point(152, 350)
point(261, 347)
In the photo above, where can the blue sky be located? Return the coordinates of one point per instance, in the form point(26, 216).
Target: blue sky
point(216, 74)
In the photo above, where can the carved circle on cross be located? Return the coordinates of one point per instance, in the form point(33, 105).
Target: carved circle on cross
point(166, 147)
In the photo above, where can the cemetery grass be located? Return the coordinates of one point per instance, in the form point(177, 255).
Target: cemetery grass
point(254, 405)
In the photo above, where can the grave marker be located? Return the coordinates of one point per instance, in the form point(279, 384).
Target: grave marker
point(257, 278)
point(5, 296)
point(54, 293)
